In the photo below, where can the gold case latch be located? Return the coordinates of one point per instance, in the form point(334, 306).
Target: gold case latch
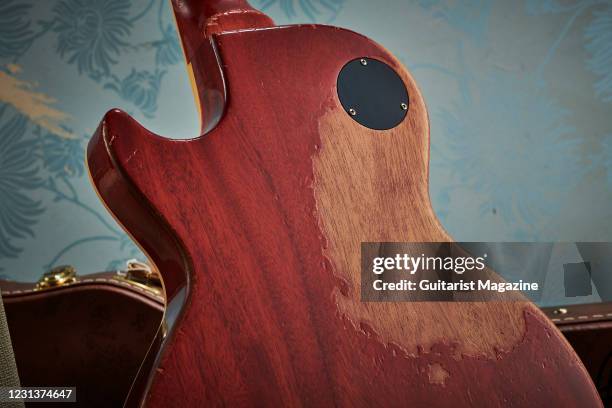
point(141, 274)
point(58, 276)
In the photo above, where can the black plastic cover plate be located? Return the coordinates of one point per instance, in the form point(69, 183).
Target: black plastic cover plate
point(372, 93)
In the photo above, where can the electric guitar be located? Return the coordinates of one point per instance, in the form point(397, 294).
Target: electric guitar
point(314, 139)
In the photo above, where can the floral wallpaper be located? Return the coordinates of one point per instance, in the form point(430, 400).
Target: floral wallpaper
point(519, 96)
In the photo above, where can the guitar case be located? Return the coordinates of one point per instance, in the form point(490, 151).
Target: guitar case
point(89, 332)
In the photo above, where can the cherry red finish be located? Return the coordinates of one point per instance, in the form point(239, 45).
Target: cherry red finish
point(232, 222)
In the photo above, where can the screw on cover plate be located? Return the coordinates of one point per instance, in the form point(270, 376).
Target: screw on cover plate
point(352, 111)
point(363, 61)
point(404, 106)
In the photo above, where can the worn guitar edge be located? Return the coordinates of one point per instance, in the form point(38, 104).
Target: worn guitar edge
point(113, 185)
point(149, 232)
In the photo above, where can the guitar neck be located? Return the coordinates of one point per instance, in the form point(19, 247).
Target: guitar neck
point(199, 19)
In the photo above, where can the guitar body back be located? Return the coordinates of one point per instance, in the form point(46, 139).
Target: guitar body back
point(256, 229)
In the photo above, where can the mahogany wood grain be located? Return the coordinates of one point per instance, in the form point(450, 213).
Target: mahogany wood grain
point(259, 222)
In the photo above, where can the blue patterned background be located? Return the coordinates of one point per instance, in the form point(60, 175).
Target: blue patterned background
point(519, 95)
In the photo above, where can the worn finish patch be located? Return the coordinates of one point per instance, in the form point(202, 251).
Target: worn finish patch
point(437, 374)
point(372, 185)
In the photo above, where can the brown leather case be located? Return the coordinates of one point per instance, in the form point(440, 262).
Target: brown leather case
point(588, 328)
point(91, 332)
